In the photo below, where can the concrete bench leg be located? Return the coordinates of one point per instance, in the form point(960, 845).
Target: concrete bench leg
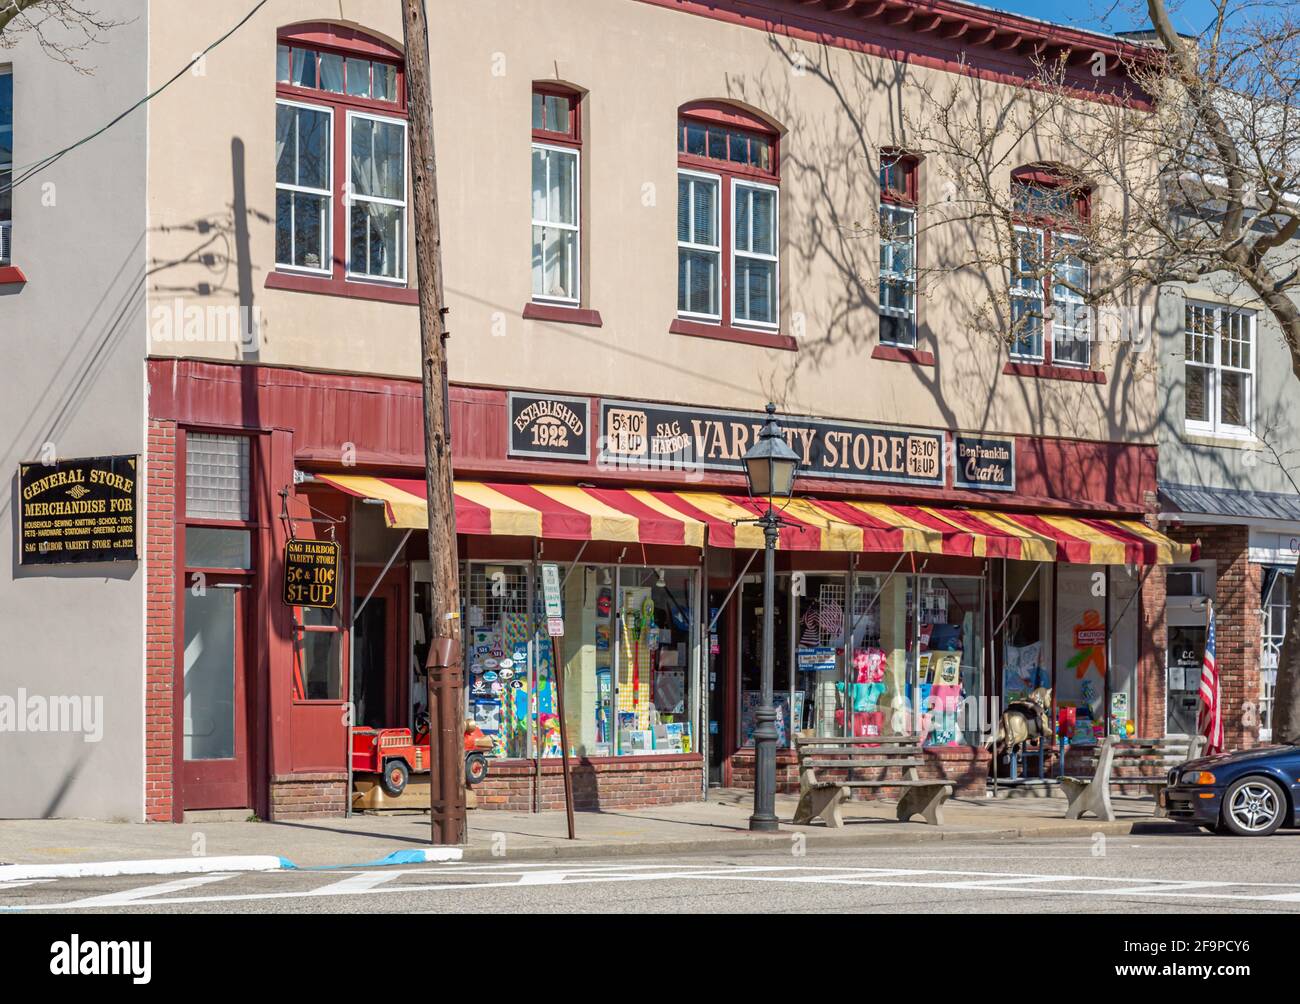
point(1087, 796)
point(926, 800)
point(822, 801)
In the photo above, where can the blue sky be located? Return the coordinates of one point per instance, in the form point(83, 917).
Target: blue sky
point(1190, 16)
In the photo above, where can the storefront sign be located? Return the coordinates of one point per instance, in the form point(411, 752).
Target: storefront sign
point(816, 660)
point(311, 573)
point(549, 426)
point(984, 463)
point(77, 510)
point(551, 594)
point(672, 437)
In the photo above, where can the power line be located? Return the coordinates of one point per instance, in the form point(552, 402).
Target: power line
point(35, 168)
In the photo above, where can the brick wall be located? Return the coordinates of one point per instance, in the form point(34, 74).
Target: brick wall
point(1153, 642)
point(1236, 627)
point(160, 605)
point(298, 796)
point(597, 784)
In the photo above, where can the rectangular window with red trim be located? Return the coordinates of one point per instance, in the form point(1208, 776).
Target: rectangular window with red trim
point(556, 197)
point(728, 211)
point(1051, 322)
point(6, 163)
point(340, 158)
point(897, 304)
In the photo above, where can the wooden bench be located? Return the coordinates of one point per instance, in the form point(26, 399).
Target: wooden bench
point(1153, 757)
point(822, 797)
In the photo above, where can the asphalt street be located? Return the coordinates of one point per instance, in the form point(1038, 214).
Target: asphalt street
point(1189, 872)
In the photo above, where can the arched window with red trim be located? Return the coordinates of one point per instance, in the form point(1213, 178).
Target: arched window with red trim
point(340, 155)
point(1050, 318)
point(728, 211)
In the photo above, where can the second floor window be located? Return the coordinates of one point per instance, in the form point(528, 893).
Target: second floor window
point(1050, 318)
point(340, 161)
point(6, 162)
point(1219, 345)
point(557, 230)
point(728, 207)
point(897, 305)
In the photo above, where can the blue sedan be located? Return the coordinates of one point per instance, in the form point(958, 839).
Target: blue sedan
point(1248, 794)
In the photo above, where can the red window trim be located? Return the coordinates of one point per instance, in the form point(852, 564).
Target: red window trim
point(573, 136)
point(12, 275)
point(899, 354)
point(731, 333)
point(558, 312)
point(1043, 177)
point(323, 36)
point(726, 329)
point(1051, 371)
point(911, 164)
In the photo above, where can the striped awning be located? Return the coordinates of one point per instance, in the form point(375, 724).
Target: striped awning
point(568, 512)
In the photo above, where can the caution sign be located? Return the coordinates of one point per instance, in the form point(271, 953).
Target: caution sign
point(77, 510)
point(311, 573)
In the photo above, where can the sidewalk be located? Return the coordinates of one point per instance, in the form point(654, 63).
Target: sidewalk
point(719, 824)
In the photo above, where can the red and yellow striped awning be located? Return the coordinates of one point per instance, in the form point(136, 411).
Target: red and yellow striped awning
point(568, 512)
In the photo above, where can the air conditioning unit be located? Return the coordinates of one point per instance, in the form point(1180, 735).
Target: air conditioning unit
point(1185, 582)
point(5, 226)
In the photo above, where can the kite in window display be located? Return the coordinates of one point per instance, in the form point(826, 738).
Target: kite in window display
point(1090, 645)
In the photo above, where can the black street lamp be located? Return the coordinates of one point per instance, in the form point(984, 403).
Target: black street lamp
point(770, 466)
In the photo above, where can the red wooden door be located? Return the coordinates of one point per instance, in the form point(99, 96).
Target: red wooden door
point(214, 745)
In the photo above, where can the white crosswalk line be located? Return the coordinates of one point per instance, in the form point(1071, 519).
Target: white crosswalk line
point(146, 892)
point(360, 882)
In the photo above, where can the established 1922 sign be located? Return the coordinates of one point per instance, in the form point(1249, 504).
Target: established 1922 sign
point(311, 573)
point(77, 510)
point(545, 425)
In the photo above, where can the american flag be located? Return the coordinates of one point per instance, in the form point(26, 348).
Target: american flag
point(1210, 720)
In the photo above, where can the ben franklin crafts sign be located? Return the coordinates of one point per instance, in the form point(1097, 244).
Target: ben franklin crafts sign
point(655, 436)
point(985, 463)
point(77, 510)
point(549, 426)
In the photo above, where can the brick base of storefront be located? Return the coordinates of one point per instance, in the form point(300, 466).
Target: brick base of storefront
point(631, 783)
point(299, 796)
point(1236, 626)
point(966, 767)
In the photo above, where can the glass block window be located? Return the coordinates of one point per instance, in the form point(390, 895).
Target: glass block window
point(216, 477)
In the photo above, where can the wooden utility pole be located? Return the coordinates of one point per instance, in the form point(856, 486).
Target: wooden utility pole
point(444, 665)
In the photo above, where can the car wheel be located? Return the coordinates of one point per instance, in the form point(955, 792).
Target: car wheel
point(476, 768)
point(1253, 807)
point(395, 777)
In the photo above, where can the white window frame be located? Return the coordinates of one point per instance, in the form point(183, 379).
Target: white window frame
point(575, 228)
point(350, 196)
point(909, 315)
point(6, 227)
point(1060, 238)
point(1018, 292)
point(1214, 371)
point(327, 234)
point(717, 249)
point(774, 258)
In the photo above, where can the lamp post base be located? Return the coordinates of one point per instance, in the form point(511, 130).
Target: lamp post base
point(764, 824)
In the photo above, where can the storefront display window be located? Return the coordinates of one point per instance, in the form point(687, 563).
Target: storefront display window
point(1027, 654)
point(949, 656)
point(751, 659)
point(497, 648)
point(1277, 597)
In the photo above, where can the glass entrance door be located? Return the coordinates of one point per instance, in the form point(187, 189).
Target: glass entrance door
point(1186, 652)
point(214, 743)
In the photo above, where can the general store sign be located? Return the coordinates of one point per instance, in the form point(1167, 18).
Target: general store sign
point(311, 573)
point(639, 436)
point(77, 510)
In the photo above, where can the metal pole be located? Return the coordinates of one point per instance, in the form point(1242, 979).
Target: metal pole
point(557, 681)
point(764, 817)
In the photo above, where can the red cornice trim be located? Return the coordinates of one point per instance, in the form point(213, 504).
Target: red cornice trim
point(341, 287)
point(728, 333)
point(897, 354)
point(340, 37)
point(1043, 371)
point(561, 314)
point(881, 32)
point(12, 275)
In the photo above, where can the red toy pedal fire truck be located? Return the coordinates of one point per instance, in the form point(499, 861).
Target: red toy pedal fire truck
point(394, 754)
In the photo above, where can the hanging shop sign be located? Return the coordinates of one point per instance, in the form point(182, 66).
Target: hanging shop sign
point(673, 437)
point(311, 573)
point(545, 425)
point(984, 462)
point(551, 595)
point(77, 510)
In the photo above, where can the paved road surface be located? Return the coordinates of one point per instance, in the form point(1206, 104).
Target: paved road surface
point(1185, 873)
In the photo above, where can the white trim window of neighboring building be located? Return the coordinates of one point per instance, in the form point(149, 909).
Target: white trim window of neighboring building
point(1219, 346)
point(6, 162)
